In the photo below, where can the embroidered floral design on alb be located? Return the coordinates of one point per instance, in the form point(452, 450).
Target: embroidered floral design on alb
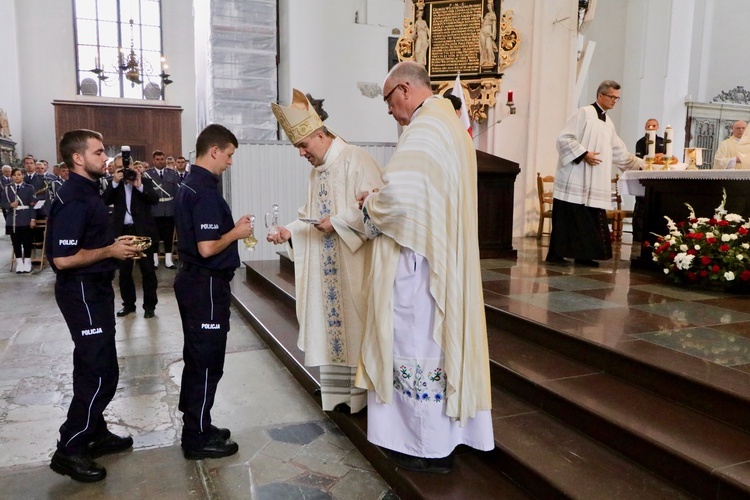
point(414, 384)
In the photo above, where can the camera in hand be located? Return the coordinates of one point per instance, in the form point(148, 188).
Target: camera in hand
point(127, 173)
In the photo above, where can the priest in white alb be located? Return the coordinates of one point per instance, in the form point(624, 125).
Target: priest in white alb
point(331, 261)
point(588, 147)
point(728, 155)
point(425, 360)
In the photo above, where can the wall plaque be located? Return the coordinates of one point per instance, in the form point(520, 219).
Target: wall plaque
point(462, 37)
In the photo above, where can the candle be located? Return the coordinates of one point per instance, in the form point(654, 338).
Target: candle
point(96, 62)
point(699, 156)
point(668, 141)
point(510, 97)
point(651, 142)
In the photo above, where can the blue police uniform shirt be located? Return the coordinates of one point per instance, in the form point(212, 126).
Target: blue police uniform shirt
point(79, 219)
point(201, 214)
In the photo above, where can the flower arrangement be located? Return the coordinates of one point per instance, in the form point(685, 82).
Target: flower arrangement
point(711, 252)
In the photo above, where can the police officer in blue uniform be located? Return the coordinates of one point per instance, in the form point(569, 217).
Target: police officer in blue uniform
point(82, 251)
point(207, 248)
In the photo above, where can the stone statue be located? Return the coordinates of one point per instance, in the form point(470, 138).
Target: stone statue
point(487, 34)
point(421, 39)
point(4, 126)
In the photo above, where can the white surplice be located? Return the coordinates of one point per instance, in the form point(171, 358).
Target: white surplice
point(330, 271)
point(726, 155)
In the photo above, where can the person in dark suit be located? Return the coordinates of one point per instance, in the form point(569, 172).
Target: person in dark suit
point(641, 149)
point(131, 215)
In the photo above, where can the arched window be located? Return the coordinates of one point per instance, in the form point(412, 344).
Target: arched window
point(119, 48)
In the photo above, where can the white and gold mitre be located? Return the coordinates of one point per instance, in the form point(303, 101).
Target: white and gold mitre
point(299, 119)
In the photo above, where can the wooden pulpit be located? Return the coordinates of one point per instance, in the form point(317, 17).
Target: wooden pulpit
point(495, 178)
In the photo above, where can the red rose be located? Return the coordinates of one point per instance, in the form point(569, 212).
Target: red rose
point(665, 245)
point(692, 276)
point(710, 240)
point(742, 231)
point(715, 268)
point(712, 221)
point(681, 224)
point(745, 275)
point(698, 236)
point(672, 255)
point(693, 221)
point(705, 260)
point(723, 223)
point(724, 248)
point(704, 273)
point(691, 252)
point(646, 244)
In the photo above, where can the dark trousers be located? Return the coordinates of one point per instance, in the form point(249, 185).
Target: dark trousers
point(89, 311)
point(149, 280)
point(204, 309)
point(165, 226)
point(22, 238)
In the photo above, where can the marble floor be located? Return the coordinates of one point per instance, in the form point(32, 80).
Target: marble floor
point(704, 333)
point(288, 446)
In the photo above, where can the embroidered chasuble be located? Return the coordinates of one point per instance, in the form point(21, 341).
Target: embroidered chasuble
point(331, 269)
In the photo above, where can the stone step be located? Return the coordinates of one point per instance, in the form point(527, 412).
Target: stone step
point(546, 455)
point(706, 457)
point(264, 299)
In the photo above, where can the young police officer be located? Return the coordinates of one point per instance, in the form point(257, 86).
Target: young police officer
point(82, 250)
point(208, 254)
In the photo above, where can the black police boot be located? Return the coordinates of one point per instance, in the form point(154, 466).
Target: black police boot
point(125, 311)
point(215, 447)
point(111, 443)
point(222, 432)
point(79, 467)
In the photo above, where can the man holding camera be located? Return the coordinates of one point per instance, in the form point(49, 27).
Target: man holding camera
point(133, 197)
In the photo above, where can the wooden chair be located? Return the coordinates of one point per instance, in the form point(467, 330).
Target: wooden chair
point(544, 187)
point(617, 215)
point(38, 248)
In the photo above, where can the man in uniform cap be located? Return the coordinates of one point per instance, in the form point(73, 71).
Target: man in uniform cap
point(331, 261)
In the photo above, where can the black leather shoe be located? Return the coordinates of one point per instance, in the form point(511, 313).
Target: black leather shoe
point(216, 447)
point(222, 432)
point(433, 465)
point(125, 311)
point(587, 263)
point(79, 467)
point(149, 314)
point(343, 408)
point(111, 443)
point(557, 261)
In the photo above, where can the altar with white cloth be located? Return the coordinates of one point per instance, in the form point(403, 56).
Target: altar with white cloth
point(665, 193)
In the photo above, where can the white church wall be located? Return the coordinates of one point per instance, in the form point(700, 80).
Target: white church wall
point(729, 62)
point(10, 91)
point(542, 80)
point(325, 53)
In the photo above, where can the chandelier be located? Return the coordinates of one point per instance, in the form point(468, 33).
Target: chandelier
point(131, 67)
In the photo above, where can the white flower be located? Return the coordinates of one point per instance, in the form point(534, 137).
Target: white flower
point(729, 275)
point(734, 218)
point(746, 246)
point(740, 256)
point(732, 236)
point(698, 247)
point(683, 260)
point(668, 237)
point(666, 271)
point(703, 220)
point(709, 235)
point(725, 238)
point(657, 245)
point(683, 248)
point(655, 258)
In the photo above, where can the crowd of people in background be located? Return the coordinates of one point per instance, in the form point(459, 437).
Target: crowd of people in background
point(27, 192)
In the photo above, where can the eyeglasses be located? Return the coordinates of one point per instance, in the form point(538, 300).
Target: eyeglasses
point(387, 98)
point(613, 97)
